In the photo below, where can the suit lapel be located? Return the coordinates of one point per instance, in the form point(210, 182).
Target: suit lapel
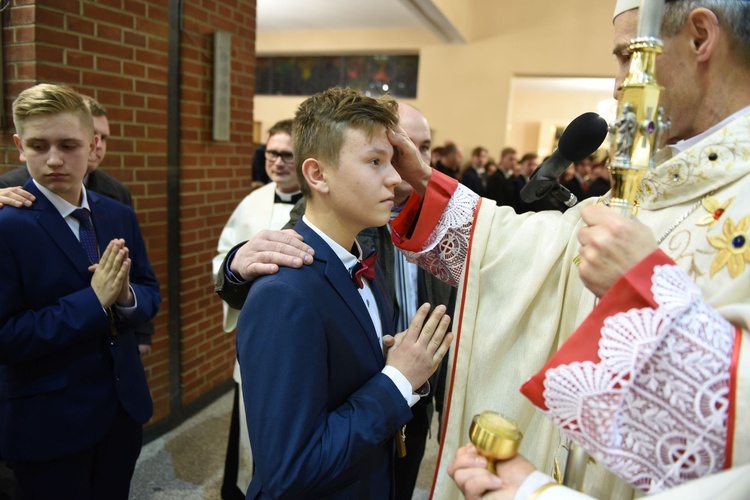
point(339, 278)
point(386, 305)
point(52, 222)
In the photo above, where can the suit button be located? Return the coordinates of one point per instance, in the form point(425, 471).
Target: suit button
point(112, 342)
point(117, 376)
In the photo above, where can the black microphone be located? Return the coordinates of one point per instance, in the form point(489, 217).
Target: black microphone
point(580, 139)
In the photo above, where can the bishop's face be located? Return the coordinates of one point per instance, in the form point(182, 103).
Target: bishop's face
point(681, 96)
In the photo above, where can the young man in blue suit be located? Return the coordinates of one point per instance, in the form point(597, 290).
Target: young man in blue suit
point(96, 180)
point(73, 392)
point(323, 401)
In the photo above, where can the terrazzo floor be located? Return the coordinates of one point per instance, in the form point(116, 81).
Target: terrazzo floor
point(187, 463)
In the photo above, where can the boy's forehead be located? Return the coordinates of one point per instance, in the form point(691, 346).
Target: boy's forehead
point(59, 126)
point(367, 137)
point(371, 131)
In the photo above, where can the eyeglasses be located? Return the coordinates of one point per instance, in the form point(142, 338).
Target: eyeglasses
point(286, 156)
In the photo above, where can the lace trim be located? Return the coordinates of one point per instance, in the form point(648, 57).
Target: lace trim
point(446, 249)
point(654, 410)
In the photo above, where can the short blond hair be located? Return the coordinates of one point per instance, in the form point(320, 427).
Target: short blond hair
point(48, 99)
point(322, 120)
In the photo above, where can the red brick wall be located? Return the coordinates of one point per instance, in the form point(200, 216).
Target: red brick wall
point(215, 178)
point(117, 52)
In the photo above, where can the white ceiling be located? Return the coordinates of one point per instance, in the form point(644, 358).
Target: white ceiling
point(311, 15)
point(303, 15)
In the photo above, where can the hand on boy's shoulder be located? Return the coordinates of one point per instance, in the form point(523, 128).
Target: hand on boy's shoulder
point(268, 250)
point(16, 197)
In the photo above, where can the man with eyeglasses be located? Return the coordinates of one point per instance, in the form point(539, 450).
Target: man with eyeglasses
point(267, 207)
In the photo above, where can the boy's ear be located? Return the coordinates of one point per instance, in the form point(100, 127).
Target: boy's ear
point(19, 146)
point(312, 171)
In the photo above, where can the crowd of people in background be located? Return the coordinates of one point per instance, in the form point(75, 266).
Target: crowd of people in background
point(338, 366)
point(503, 180)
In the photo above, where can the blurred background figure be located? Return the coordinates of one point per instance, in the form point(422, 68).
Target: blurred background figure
point(499, 187)
point(475, 175)
point(450, 160)
point(437, 152)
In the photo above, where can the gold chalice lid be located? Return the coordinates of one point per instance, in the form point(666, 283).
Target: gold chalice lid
point(496, 437)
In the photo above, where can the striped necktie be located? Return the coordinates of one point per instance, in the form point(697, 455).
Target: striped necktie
point(86, 234)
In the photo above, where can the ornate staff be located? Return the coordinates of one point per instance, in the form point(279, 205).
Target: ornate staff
point(636, 135)
point(641, 122)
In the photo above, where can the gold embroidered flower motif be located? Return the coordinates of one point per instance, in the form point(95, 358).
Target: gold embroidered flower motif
point(715, 210)
point(733, 246)
point(675, 175)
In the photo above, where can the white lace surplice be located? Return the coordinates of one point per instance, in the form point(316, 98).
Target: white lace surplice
point(446, 249)
point(654, 409)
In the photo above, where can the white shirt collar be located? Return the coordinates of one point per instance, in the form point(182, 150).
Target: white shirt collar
point(61, 205)
point(686, 144)
point(343, 254)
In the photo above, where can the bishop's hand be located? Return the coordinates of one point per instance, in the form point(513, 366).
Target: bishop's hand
point(610, 245)
point(408, 161)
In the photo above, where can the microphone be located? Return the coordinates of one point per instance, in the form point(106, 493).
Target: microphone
point(580, 139)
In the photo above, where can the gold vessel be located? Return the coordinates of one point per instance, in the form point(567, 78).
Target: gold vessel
point(495, 437)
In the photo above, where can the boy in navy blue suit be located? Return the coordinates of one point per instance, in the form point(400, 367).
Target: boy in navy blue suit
point(323, 400)
point(73, 392)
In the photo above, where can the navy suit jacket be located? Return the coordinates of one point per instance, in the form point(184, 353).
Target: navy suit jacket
point(500, 189)
point(473, 181)
point(320, 413)
point(65, 373)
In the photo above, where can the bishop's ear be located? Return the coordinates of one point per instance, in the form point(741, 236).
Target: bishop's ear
point(704, 29)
